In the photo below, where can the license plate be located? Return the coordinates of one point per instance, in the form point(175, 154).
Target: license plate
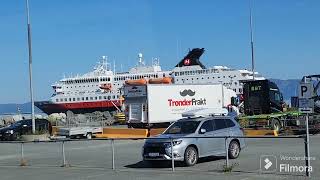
point(153, 154)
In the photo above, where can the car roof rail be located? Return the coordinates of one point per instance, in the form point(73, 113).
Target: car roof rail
point(205, 112)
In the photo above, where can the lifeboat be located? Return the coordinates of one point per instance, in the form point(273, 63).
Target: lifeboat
point(136, 82)
point(107, 86)
point(165, 80)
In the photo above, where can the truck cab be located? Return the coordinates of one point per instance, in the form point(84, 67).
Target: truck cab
point(262, 97)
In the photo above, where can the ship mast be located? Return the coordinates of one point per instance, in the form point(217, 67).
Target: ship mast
point(251, 38)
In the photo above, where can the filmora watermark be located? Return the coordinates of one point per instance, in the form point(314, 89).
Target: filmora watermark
point(287, 164)
point(268, 163)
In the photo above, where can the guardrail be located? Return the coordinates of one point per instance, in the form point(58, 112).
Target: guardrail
point(112, 140)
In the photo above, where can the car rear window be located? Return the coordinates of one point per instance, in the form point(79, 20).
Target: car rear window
point(219, 124)
point(229, 123)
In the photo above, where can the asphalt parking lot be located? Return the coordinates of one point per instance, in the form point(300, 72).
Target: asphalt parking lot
point(92, 160)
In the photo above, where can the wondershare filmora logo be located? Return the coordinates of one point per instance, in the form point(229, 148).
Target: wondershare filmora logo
point(268, 163)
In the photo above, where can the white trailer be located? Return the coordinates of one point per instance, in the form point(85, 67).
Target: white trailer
point(78, 132)
point(160, 104)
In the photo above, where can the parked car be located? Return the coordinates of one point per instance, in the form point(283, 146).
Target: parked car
point(22, 127)
point(191, 149)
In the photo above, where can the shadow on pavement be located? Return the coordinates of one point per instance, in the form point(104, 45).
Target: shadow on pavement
point(167, 164)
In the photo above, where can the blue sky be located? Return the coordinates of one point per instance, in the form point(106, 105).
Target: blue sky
point(69, 36)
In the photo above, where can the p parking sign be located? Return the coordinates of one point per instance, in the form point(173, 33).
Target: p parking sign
point(306, 104)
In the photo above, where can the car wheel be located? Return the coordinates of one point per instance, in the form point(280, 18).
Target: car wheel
point(234, 150)
point(14, 137)
point(89, 136)
point(191, 156)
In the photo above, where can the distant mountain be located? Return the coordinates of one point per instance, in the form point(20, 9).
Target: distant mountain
point(287, 87)
point(13, 108)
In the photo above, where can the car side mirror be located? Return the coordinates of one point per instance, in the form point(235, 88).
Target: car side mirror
point(203, 131)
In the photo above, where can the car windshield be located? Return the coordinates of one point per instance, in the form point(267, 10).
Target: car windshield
point(183, 127)
point(17, 124)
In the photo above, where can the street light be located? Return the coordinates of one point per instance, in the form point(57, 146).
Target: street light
point(30, 68)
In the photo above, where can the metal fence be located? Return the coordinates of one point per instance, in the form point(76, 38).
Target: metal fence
point(112, 142)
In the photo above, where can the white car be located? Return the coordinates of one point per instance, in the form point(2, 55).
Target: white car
point(190, 149)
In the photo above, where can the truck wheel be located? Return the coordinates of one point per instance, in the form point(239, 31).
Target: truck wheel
point(234, 150)
point(89, 136)
point(191, 156)
point(276, 125)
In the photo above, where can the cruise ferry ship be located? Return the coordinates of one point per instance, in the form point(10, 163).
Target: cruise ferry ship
point(101, 89)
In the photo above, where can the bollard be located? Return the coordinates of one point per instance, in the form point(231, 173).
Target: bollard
point(172, 156)
point(112, 147)
point(23, 162)
point(227, 155)
point(63, 156)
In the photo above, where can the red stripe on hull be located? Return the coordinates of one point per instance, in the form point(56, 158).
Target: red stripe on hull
point(79, 107)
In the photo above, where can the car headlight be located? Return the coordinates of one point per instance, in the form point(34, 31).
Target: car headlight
point(9, 132)
point(175, 142)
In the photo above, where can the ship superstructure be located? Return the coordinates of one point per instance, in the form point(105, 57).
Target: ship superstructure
point(191, 71)
point(99, 90)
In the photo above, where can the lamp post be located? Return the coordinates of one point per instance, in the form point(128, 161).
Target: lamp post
point(30, 68)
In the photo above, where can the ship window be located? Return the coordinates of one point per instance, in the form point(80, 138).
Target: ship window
point(70, 99)
point(202, 77)
point(113, 97)
point(96, 98)
point(197, 78)
point(117, 96)
point(74, 99)
point(78, 99)
point(100, 97)
point(218, 76)
point(105, 97)
point(61, 100)
point(177, 79)
point(235, 83)
point(224, 76)
point(82, 98)
point(87, 98)
point(187, 79)
point(57, 100)
point(91, 98)
point(109, 97)
point(240, 90)
point(65, 99)
point(208, 77)
point(235, 90)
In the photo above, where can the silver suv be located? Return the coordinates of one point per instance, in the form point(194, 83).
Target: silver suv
point(191, 149)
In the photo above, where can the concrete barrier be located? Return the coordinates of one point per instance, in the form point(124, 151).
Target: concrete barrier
point(258, 132)
point(123, 133)
point(154, 132)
